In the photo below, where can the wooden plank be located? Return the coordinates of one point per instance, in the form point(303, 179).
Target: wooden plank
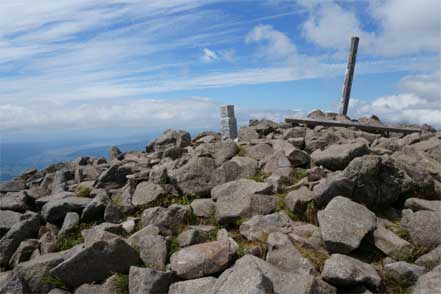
point(363, 127)
point(346, 95)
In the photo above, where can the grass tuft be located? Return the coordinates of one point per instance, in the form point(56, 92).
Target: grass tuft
point(310, 215)
point(399, 230)
point(299, 174)
point(83, 191)
point(121, 283)
point(68, 241)
point(57, 283)
point(396, 286)
point(173, 246)
point(259, 177)
point(316, 257)
point(413, 254)
point(242, 151)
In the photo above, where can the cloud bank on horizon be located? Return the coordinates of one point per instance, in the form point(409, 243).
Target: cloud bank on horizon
point(95, 65)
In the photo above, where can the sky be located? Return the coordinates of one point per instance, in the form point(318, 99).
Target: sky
point(120, 68)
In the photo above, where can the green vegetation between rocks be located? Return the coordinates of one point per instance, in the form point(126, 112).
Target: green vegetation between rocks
point(121, 283)
point(57, 283)
point(259, 177)
point(83, 191)
point(299, 174)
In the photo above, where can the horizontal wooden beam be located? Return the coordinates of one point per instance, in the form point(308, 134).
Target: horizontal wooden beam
point(363, 127)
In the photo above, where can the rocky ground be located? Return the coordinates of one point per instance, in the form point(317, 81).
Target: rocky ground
point(283, 209)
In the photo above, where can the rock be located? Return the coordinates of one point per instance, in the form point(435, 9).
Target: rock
point(404, 271)
point(16, 201)
point(12, 186)
point(260, 226)
point(279, 164)
point(417, 204)
point(231, 207)
point(239, 167)
point(431, 259)
point(60, 180)
point(254, 275)
point(115, 154)
point(102, 232)
point(7, 220)
point(297, 157)
point(40, 202)
point(283, 254)
point(152, 247)
point(191, 237)
point(424, 227)
point(11, 284)
point(307, 235)
point(129, 225)
point(220, 151)
point(196, 286)
point(71, 221)
point(389, 243)
point(259, 151)
point(429, 283)
point(48, 242)
point(342, 270)
point(25, 229)
point(203, 207)
point(95, 209)
point(198, 176)
point(109, 286)
point(35, 271)
point(243, 186)
point(113, 178)
point(200, 260)
point(170, 138)
point(168, 220)
point(298, 200)
point(334, 185)
point(24, 252)
point(113, 214)
point(96, 262)
point(377, 181)
point(55, 211)
point(147, 192)
point(337, 157)
point(149, 281)
point(248, 134)
point(344, 223)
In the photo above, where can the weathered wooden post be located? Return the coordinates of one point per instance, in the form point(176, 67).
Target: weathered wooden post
point(228, 122)
point(349, 76)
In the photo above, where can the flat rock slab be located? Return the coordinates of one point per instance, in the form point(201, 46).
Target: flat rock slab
point(417, 204)
point(201, 260)
point(260, 226)
point(337, 157)
point(147, 192)
point(342, 270)
point(344, 223)
point(196, 286)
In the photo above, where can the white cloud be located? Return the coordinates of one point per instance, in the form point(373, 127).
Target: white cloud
point(421, 104)
point(275, 44)
point(208, 55)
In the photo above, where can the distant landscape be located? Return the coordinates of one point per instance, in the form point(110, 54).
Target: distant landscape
point(17, 157)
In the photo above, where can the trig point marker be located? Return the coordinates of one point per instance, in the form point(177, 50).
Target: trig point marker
point(349, 76)
point(228, 122)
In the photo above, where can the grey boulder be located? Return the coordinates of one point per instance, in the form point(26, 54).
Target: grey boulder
point(242, 186)
point(424, 227)
point(429, 283)
point(149, 281)
point(147, 192)
point(55, 211)
point(152, 247)
point(168, 220)
point(344, 223)
point(337, 157)
point(405, 271)
point(431, 259)
point(196, 286)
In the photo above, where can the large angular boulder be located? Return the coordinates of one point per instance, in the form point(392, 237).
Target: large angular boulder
point(34, 273)
point(196, 286)
point(404, 271)
point(337, 157)
point(12, 186)
point(239, 167)
point(342, 270)
point(8, 219)
point(149, 281)
point(96, 262)
point(389, 243)
point(147, 192)
point(95, 209)
point(279, 164)
point(283, 254)
point(114, 177)
point(242, 186)
point(230, 208)
point(109, 286)
point(254, 275)
point(344, 223)
point(198, 176)
point(202, 207)
point(40, 202)
point(259, 151)
point(152, 248)
point(24, 252)
point(16, 201)
point(220, 151)
point(378, 182)
point(71, 221)
point(170, 138)
point(55, 211)
point(25, 229)
point(200, 260)
point(424, 227)
point(298, 200)
point(336, 184)
point(260, 226)
point(168, 220)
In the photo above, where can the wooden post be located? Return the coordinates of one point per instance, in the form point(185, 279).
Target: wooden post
point(349, 76)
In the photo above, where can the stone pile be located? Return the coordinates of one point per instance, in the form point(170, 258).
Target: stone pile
point(281, 209)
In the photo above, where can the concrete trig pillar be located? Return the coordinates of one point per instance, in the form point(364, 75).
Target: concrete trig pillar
point(228, 122)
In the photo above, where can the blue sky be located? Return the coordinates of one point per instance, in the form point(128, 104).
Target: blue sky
point(100, 68)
